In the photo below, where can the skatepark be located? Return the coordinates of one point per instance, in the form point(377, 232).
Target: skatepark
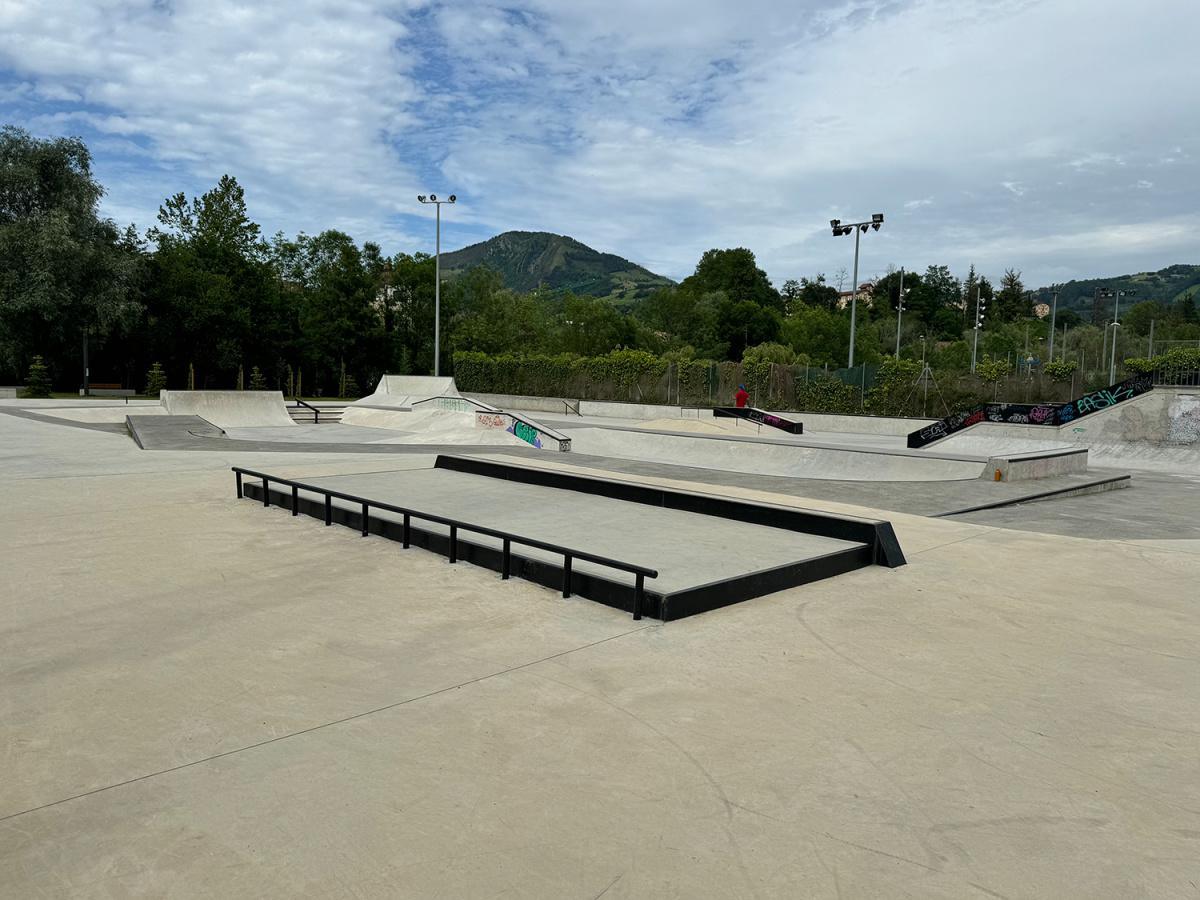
point(857, 668)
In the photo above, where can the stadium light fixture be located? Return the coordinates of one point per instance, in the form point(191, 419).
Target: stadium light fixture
point(859, 229)
point(437, 279)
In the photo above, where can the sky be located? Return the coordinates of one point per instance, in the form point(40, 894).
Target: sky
point(1055, 137)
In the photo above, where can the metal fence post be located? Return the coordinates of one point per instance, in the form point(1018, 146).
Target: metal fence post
point(239, 484)
point(453, 543)
point(566, 592)
point(407, 523)
point(295, 500)
point(506, 564)
point(266, 491)
point(638, 589)
point(365, 521)
point(328, 509)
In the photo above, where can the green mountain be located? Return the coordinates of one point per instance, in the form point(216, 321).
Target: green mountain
point(1166, 286)
point(528, 259)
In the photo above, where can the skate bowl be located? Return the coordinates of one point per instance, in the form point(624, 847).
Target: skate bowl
point(229, 409)
point(403, 391)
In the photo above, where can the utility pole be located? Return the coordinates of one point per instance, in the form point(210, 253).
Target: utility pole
point(1150, 349)
point(899, 311)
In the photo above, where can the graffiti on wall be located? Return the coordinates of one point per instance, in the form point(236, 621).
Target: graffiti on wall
point(1184, 420)
point(1033, 414)
point(491, 420)
point(526, 432)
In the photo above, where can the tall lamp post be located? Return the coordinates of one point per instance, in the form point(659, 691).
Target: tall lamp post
point(899, 311)
point(1112, 365)
point(437, 280)
point(980, 309)
point(859, 229)
point(1053, 314)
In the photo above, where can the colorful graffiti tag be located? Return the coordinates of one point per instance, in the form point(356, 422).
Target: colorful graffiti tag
point(759, 417)
point(1026, 414)
point(525, 432)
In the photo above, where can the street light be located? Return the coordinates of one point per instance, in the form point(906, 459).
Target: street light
point(437, 279)
point(1112, 365)
point(980, 308)
point(859, 229)
point(899, 311)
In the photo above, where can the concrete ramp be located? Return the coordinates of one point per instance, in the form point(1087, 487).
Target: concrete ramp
point(402, 391)
point(229, 409)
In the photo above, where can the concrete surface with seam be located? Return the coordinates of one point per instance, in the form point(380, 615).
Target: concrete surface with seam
point(205, 699)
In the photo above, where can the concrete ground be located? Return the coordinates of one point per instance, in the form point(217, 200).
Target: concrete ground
point(202, 698)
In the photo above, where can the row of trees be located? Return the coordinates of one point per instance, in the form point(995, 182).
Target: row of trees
point(205, 294)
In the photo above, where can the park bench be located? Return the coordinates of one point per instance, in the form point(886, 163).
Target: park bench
point(108, 390)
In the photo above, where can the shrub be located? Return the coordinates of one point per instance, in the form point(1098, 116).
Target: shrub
point(156, 380)
point(37, 382)
point(1060, 370)
point(993, 371)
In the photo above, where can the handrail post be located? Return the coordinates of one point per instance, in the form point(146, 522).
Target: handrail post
point(453, 543)
point(566, 575)
point(637, 596)
point(365, 521)
point(239, 484)
point(266, 491)
point(506, 564)
point(329, 509)
point(406, 530)
point(295, 500)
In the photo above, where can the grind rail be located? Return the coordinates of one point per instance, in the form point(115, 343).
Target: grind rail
point(640, 573)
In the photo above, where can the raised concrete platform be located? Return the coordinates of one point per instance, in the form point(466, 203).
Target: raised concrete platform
point(708, 552)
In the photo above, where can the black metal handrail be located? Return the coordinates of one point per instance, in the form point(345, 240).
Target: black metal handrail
point(316, 412)
point(641, 573)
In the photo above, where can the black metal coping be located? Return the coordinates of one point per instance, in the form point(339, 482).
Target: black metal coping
point(875, 533)
point(761, 417)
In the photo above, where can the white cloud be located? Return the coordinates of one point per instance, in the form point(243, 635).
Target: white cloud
point(651, 130)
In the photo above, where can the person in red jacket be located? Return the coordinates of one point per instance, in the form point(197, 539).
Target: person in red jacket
point(741, 398)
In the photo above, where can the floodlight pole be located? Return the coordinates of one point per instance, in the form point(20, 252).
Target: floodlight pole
point(978, 325)
point(437, 279)
point(899, 311)
point(437, 295)
point(854, 298)
point(858, 228)
point(1112, 365)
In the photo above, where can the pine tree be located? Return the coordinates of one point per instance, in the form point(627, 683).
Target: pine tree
point(1012, 303)
point(37, 382)
point(156, 380)
point(969, 285)
point(257, 381)
point(241, 384)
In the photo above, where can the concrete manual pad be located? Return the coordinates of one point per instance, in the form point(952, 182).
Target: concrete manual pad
point(688, 549)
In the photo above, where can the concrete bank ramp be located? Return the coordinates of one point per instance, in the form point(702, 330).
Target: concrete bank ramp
point(229, 409)
point(402, 391)
point(774, 456)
